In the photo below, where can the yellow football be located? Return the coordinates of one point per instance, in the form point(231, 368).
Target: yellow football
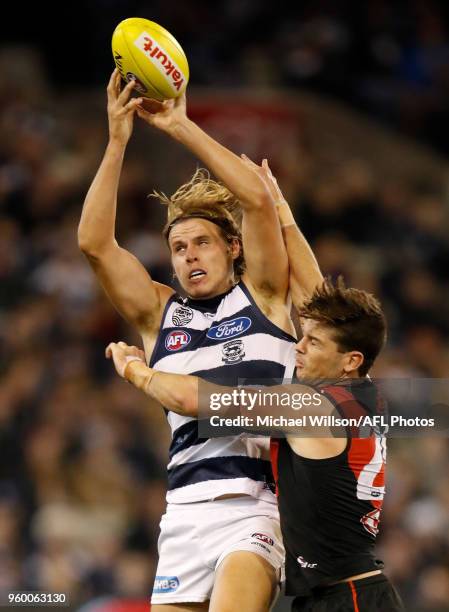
point(148, 53)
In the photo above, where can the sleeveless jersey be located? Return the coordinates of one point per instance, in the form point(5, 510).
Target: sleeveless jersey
point(330, 508)
point(222, 340)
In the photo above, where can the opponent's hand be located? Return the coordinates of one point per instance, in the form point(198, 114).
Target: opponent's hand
point(122, 354)
point(121, 109)
point(267, 176)
point(166, 115)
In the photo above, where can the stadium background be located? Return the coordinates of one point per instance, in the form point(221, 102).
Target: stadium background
point(349, 101)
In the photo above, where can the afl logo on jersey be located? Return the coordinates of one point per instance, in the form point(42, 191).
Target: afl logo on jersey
point(177, 340)
point(182, 315)
point(263, 537)
point(229, 329)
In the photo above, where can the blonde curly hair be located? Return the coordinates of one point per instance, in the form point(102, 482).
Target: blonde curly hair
point(204, 198)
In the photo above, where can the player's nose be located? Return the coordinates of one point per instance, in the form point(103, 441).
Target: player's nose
point(191, 254)
point(300, 346)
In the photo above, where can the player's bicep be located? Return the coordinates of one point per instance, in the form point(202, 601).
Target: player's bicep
point(265, 252)
point(129, 287)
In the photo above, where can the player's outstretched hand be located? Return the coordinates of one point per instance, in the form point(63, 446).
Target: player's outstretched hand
point(166, 115)
point(267, 176)
point(120, 109)
point(122, 354)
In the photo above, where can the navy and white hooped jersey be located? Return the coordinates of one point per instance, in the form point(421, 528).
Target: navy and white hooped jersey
point(221, 339)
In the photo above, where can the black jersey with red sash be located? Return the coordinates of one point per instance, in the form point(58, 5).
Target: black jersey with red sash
point(330, 508)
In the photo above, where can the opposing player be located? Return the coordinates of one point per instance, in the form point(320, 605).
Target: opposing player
point(331, 487)
point(233, 323)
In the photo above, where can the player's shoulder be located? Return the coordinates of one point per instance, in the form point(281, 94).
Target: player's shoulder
point(165, 292)
point(355, 396)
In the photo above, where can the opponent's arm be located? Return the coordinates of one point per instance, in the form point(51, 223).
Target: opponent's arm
point(265, 256)
point(123, 277)
point(305, 274)
point(190, 396)
point(176, 392)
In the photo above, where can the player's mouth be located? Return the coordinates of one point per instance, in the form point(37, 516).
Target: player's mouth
point(197, 275)
point(300, 364)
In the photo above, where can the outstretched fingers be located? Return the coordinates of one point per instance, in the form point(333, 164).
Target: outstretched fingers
point(112, 79)
point(109, 350)
point(267, 169)
point(132, 105)
point(126, 92)
point(249, 162)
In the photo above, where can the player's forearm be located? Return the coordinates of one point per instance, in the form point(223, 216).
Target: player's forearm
point(175, 392)
point(305, 274)
point(245, 184)
point(97, 225)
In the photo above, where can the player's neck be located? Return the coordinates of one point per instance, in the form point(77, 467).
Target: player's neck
point(214, 295)
point(208, 301)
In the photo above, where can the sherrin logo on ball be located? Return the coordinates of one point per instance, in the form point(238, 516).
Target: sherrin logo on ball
point(148, 53)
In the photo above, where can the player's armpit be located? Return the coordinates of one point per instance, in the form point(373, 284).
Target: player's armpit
point(317, 447)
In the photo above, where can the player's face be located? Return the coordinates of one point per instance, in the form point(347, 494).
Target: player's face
point(201, 258)
point(317, 354)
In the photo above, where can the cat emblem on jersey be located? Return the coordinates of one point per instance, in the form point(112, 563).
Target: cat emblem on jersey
point(182, 315)
point(233, 352)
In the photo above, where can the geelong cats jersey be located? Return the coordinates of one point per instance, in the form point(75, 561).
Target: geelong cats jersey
point(222, 340)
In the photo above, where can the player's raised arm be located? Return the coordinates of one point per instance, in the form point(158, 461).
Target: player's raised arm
point(122, 276)
point(265, 256)
point(305, 273)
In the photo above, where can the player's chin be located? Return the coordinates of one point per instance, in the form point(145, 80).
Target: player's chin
point(199, 291)
point(299, 369)
point(303, 373)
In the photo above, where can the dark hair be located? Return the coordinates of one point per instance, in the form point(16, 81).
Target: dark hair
point(216, 214)
point(354, 315)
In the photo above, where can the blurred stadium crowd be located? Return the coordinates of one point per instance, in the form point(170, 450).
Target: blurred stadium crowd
point(82, 454)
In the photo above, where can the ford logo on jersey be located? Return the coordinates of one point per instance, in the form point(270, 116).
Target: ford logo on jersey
point(229, 329)
point(165, 584)
point(177, 340)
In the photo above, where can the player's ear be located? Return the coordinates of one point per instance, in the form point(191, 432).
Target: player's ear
point(352, 361)
point(235, 248)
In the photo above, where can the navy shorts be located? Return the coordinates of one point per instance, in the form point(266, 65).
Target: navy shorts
point(373, 594)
